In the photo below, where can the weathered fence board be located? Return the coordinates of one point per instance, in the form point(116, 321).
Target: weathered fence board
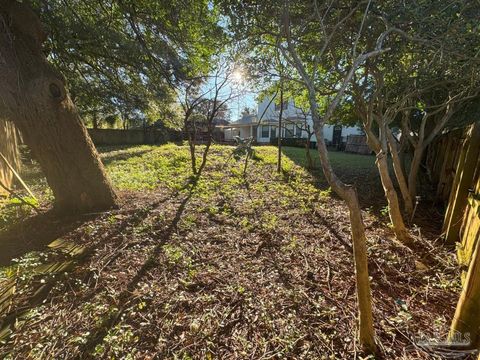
point(454, 164)
point(442, 159)
point(9, 149)
point(357, 144)
point(465, 179)
point(470, 227)
point(466, 320)
point(132, 136)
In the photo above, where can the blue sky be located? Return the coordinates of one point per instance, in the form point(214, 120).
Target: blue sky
point(237, 105)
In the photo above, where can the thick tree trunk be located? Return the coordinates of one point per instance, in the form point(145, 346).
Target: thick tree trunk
point(400, 174)
point(34, 97)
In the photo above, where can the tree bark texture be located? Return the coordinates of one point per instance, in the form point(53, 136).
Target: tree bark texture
point(35, 98)
point(359, 240)
point(308, 155)
point(399, 174)
point(414, 169)
point(379, 146)
point(280, 115)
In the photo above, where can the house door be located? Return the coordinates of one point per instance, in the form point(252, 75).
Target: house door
point(337, 135)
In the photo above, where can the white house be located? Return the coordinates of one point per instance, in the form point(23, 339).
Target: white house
point(295, 124)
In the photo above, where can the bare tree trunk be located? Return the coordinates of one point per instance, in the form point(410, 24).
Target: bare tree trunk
point(346, 192)
point(279, 161)
point(379, 146)
point(404, 150)
point(421, 143)
point(349, 195)
point(394, 211)
point(205, 154)
point(95, 120)
point(400, 174)
point(364, 295)
point(308, 155)
point(34, 97)
point(414, 169)
point(193, 157)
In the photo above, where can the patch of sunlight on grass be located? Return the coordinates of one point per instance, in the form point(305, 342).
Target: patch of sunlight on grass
point(338, 159)
point(147, 167)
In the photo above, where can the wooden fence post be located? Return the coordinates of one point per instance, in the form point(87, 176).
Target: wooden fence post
point(467, 315)
point(442, 175)
point(8, 147)
point(463, 180)
point(471, 225)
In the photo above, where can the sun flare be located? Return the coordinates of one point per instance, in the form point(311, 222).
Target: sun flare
point(238, 76)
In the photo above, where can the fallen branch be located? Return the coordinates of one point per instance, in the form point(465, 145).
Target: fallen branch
point(20, 180)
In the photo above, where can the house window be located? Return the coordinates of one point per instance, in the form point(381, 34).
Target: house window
point(298, 131)
point(289, 130)
point(273, 132)
point(264, 131)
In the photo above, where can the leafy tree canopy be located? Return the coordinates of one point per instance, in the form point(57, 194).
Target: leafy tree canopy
point(123, 56)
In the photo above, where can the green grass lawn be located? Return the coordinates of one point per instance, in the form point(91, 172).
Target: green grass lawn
point(356, 169)
point(341, 161)
point(147, 167)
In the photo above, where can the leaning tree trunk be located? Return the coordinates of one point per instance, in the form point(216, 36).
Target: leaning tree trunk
point(349, 195)
point(414, 169)
point(380, 147)
point(400, 174)
point(205, 154)
point(35, 98)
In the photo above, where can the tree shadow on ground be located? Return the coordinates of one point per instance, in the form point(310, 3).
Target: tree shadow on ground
point(97, 335)
point(108, 158)
point(358, 171)
point(36, 232)
point(46, 227)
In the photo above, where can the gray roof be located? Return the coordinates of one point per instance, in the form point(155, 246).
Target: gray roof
point(246, 119)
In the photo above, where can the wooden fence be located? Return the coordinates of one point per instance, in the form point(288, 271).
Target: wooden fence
point(357, 144)
point(454, 164)
point(9, 156)
point(133, 136)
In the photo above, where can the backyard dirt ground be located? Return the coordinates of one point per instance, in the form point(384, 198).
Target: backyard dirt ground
point(228, 267)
